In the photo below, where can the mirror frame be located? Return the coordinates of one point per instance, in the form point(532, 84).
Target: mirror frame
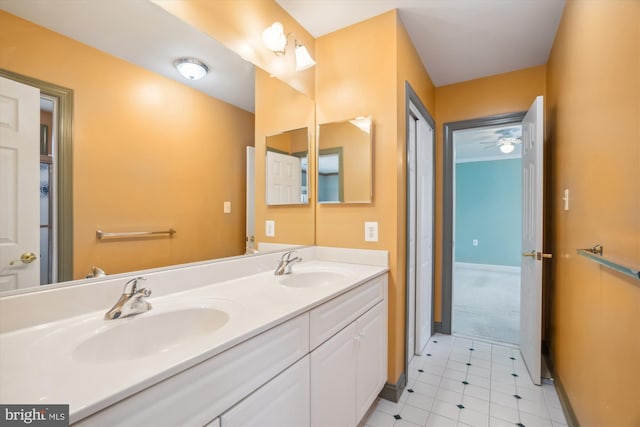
point(63, 171)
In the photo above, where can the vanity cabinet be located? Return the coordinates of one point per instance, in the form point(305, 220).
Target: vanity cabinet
point(349, 369)
point(322, 368)
point(282, 402)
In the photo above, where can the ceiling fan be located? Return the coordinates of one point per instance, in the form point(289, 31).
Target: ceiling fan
point(506, 144)
point(507, 140)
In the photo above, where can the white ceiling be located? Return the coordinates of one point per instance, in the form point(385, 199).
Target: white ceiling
point(481, 144)
point(144, 34)
point(457, 40)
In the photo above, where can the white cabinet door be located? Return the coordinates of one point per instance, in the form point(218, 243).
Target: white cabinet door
point(282, 402)
point(333, 381)
point(371, 357)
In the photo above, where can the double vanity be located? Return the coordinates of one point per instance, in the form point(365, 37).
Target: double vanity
point(224, 343)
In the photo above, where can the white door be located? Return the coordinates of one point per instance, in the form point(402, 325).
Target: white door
point(411, 237)
point(284, 182)
point(251, 155)
point(424, 233)
point(420, 231)
point(531, 280)
point(19, 185)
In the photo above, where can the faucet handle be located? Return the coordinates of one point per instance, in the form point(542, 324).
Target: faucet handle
point(134, 286)
point(287, 255)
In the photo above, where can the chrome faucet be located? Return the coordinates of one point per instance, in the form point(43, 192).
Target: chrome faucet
point(284, 265)
point(130, 303)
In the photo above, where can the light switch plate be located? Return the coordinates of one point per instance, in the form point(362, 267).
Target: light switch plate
point(370, 231)
point(270, 228)
point(565, 199)
point(227, 207)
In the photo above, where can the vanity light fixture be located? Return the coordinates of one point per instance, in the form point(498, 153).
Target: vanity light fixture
point(191, 68)
point(303, 59)
point(275, 39)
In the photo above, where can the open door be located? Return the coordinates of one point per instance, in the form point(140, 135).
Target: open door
point(19, 185)
point(532, 256)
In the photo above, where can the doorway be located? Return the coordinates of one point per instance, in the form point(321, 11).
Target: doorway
point(487, 213)
point(55, 176)
point(420, 225)
point(482, 228)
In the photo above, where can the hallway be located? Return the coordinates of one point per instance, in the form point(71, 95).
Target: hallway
point(460, 382)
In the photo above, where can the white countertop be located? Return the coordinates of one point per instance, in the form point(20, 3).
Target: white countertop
point(38, 364)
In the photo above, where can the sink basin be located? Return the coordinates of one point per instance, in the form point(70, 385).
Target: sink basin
point(148, 333)
point(311, 279)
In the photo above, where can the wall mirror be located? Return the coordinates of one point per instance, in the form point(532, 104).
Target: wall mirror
point(150, 151)
point(287, 159)
point(345, 171)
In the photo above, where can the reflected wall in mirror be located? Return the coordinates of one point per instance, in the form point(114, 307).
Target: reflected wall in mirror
point(287, 161)
point(149, 153)
point(345, 167)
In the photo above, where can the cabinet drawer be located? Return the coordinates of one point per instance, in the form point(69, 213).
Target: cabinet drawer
point(282, 402)
point(201, 393)
point(337, 313)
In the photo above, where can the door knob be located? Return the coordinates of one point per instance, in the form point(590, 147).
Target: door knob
point(25, 258)
point(540, 255)
point(532, 254)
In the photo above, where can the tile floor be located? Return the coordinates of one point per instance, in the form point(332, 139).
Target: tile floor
point(486, 302)
point(463, 382)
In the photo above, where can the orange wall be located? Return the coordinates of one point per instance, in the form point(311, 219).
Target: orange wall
point(239, 26)
point(354, 77)
point(503, 93)
point(593, 124)
point(280, 108)
point(142, 160)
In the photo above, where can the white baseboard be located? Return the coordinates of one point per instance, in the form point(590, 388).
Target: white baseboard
point(486, 267)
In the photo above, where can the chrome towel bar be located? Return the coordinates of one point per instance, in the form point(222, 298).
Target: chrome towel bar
point(596, 253)
point(127, 234)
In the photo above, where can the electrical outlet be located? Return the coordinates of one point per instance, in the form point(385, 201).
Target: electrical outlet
point(227, 207)
point(270, 228)
point(475, 242)
point(370, 231)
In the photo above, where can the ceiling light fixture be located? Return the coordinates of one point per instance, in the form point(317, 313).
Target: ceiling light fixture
point(507, 148)
point(191, 68)
point(275, 39)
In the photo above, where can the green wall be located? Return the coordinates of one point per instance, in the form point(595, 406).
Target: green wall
point(488, 208)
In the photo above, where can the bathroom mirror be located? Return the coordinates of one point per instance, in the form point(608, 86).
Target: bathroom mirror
point(344, 167)
point(150, 152)
point(287, 160)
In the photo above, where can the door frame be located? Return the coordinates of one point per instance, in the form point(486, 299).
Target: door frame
point(412, 98)
point(447, 205)
point(63, 169)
